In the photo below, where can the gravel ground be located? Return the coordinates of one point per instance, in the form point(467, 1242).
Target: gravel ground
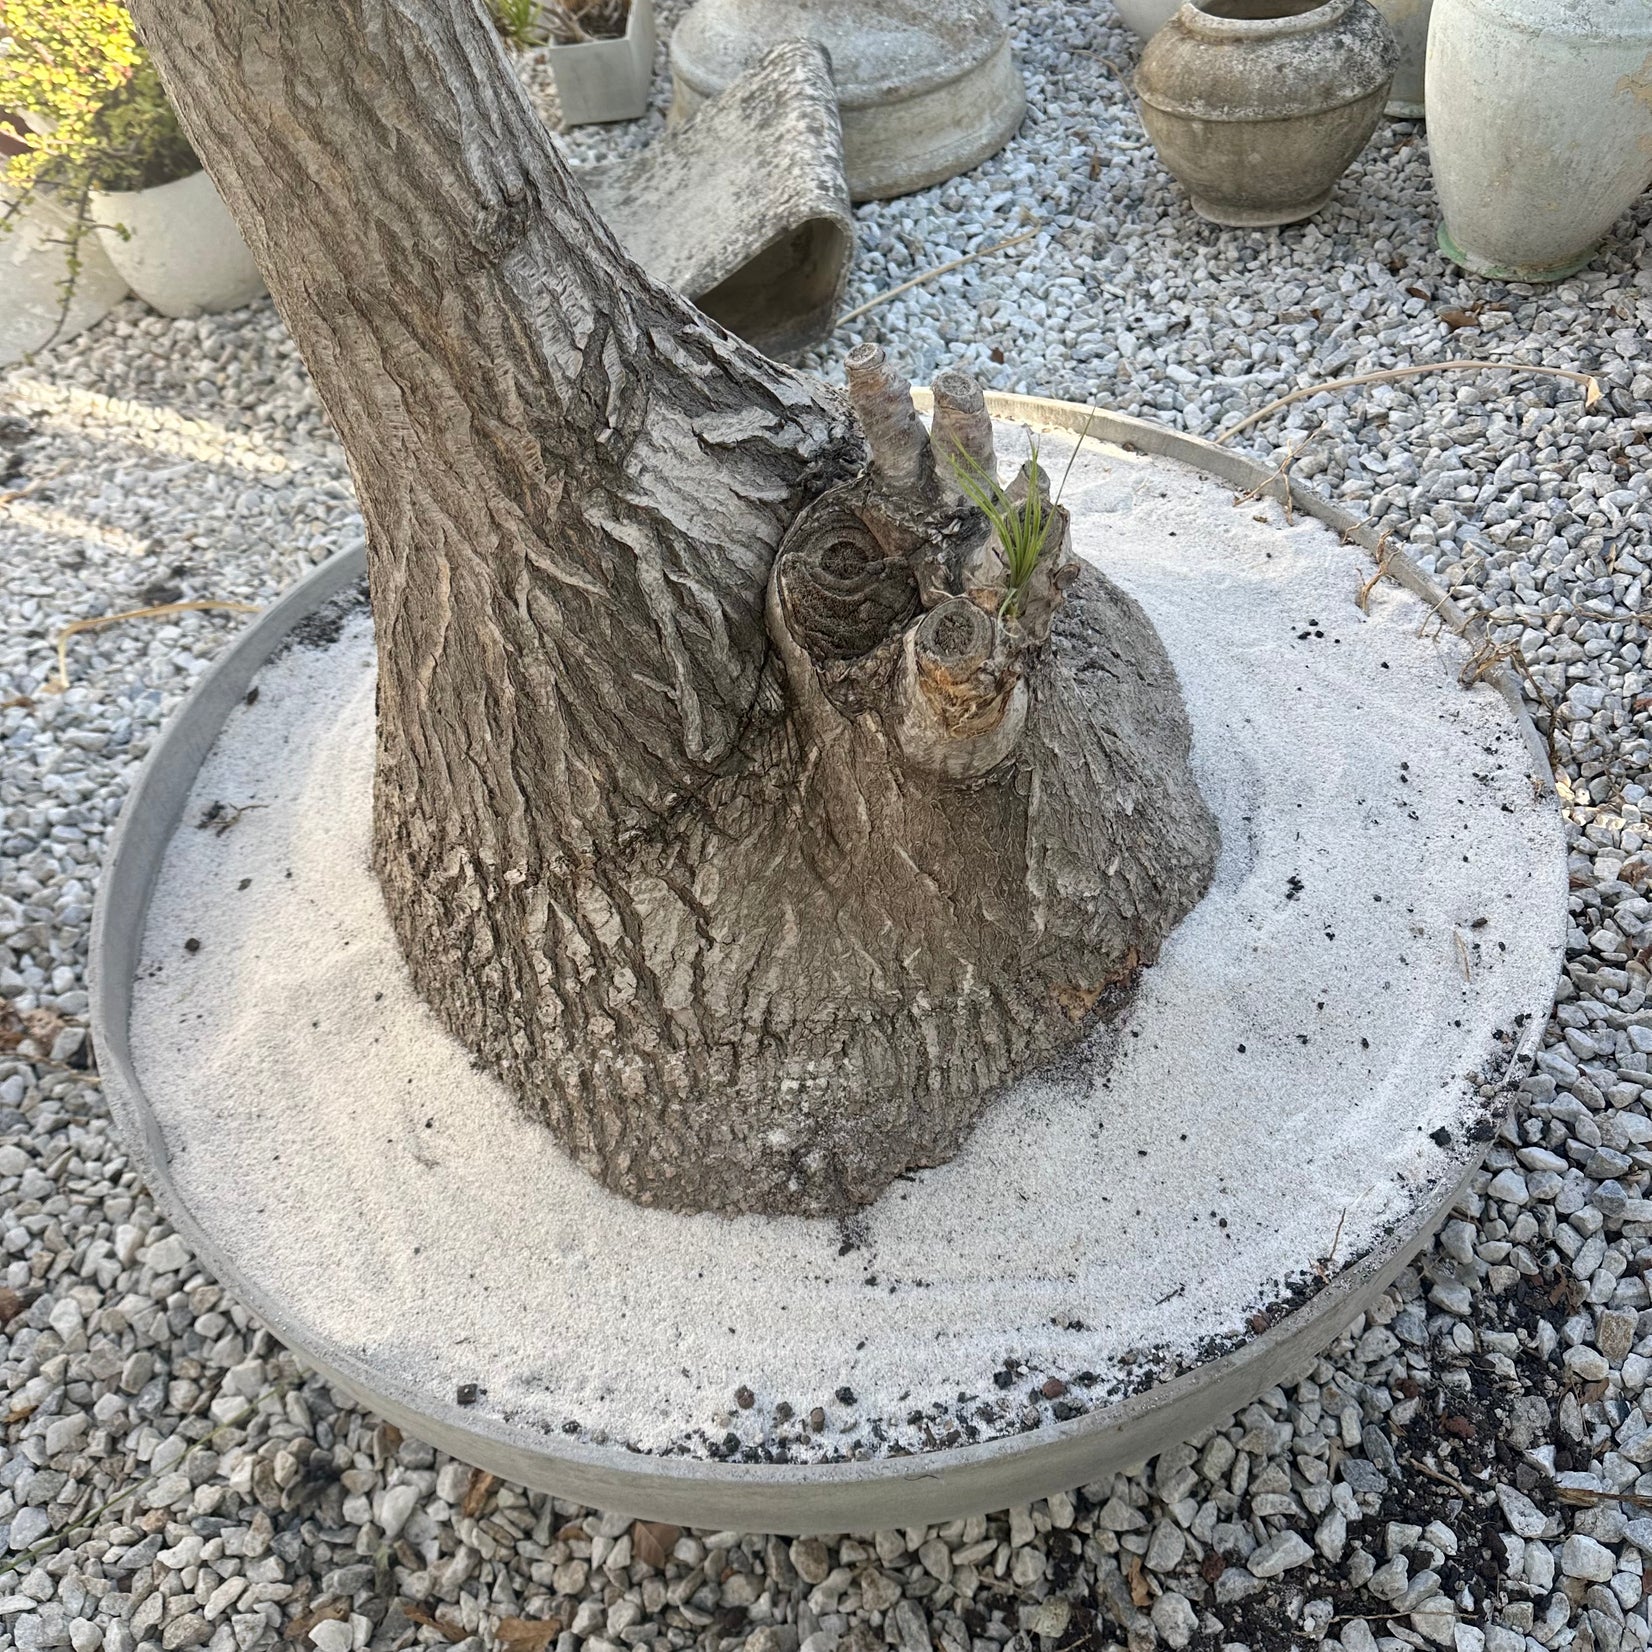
point(1468, 1466)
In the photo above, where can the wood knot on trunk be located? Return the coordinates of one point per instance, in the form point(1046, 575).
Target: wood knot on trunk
point(914, 591)
point(842, 593)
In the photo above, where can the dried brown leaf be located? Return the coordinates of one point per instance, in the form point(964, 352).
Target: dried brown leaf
point(476, 1493)
point(450, 1632)
point(300, 1627)
point(527, 1634)
point(1141, 1594)
point(1455, 318)
point(652, 1542)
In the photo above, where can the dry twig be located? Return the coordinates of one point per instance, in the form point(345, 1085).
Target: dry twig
point(1323, 1269)
point(1444, 1479)
point(98, 621)
point(1280, 473)
point(1384, 554)
point(1591, 385)
point(940, 269)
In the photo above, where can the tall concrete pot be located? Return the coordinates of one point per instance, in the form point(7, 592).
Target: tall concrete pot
point(926, 88)
point(177, 247)
point(33, 267)
point(1539, 127)
point(1409, 21)
point(1259, 106)
point(1146, 17)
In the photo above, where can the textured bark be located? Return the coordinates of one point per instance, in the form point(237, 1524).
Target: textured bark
point(726, 807)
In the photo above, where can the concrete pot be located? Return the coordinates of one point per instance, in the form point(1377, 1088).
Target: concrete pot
point(1259, 106)
point(743, 207)
point(181, 252)
point(1409, 21)
point(605, 80)
point(926, 88)
point(1539, 128)
point(1146, 17)
point(32, 268)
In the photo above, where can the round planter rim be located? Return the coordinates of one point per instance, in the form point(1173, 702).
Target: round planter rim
point(1207, 25)
point(818, 1497)
point(1238, 114)
point(880, 93)
point(1549, 28)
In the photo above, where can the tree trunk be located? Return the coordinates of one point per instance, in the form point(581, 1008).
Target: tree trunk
point(733, 805)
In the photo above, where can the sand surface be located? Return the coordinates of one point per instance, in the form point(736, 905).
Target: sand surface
point(1389, 905)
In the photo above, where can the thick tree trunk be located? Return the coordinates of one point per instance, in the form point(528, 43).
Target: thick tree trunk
point(730, 806)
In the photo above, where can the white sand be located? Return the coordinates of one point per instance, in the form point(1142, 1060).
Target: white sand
point(340, 1148)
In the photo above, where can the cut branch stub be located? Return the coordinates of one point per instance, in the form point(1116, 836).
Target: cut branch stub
point(901, 460)
point(962, 701)
point(1041, 596)
point(859, 564)
point(960, 434)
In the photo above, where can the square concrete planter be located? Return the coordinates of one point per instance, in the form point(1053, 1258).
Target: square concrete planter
point(604, 80)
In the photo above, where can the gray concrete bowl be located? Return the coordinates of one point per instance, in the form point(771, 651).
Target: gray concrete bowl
point(880, 1491)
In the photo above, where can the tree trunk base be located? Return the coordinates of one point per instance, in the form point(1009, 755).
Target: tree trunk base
point(814, 977)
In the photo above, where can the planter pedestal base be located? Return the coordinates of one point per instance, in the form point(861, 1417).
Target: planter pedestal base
point(1231, 217)
point(1123, 1253)
point(1511, 272)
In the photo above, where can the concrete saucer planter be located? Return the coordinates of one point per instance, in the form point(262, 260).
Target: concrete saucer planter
point(1539, 129)
point(177, 247)
point(340, 1165)
point(926, 88)
point(1259, 106)
point(607, 80)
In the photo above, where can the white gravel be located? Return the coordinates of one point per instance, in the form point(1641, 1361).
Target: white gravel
point(143, 1502)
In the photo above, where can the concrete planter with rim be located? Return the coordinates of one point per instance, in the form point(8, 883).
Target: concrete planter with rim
point(1409, 20)
point(926, 88)
point(230, 976)
point(32, 271)
point(1539, 129)
point(607, 80)
point(177, 247)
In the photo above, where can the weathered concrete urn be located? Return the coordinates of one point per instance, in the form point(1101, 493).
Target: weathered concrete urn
point(1259, 106)
point(1146, 17)
point(926, 88)
point(1539, 129)
point(1409, 20)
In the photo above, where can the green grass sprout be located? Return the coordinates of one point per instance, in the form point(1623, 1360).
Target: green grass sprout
point(518, 21)
point(1022, 526)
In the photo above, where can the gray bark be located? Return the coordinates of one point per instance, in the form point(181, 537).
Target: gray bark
point(726, 807)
